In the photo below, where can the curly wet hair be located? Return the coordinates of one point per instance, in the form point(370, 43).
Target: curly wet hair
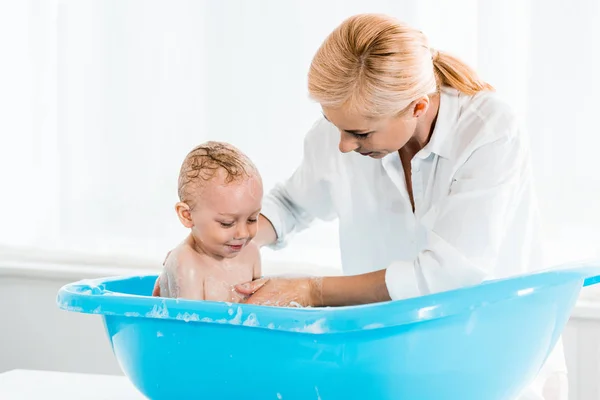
point(204, 161)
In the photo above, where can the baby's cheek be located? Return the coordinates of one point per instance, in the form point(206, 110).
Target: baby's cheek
point(221, 236)
point(252, 230)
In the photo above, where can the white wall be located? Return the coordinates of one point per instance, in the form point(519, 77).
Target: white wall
point(102, 100)
point(35, 334)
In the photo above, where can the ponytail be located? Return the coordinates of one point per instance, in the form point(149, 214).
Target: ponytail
point(452, 72)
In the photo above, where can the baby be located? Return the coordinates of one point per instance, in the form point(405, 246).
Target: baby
point(220, 193)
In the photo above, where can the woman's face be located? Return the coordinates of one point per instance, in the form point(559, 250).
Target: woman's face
point(371, 137)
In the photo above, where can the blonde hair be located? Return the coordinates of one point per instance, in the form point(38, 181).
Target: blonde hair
point(204, 161)
point(377, 66)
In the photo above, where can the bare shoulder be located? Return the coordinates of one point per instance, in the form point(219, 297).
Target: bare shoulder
point(251, 258)
point(184, 273)
point(183, 259)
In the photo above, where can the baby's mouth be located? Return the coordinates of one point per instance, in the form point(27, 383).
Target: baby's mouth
point(236, 247)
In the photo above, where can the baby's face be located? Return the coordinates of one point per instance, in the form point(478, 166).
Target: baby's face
point(225, 215)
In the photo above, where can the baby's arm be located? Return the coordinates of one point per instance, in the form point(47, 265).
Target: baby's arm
point(183, 276)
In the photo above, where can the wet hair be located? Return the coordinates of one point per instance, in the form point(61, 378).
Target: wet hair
point(205, 161)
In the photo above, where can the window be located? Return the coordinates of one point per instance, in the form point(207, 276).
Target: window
point(105, 99)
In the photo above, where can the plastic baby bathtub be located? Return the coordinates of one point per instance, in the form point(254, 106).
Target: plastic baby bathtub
point(484, 342)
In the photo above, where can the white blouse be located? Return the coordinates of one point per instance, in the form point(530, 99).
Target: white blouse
point(475, 212)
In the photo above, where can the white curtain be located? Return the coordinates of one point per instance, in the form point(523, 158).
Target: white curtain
point(100, 102)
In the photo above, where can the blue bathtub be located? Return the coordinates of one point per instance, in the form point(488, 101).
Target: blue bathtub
point(485, 342)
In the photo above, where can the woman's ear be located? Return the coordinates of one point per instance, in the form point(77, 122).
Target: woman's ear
point(184, 213)
point(420, 106)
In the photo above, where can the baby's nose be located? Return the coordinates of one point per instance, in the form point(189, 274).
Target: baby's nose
point(242, 231)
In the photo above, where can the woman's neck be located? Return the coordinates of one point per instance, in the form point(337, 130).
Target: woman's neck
point(424, 128)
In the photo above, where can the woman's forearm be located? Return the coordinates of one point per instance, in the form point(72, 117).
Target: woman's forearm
point(266, 233)
point(350, 290)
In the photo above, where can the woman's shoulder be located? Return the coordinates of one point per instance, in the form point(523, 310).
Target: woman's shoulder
point(489, 113)
point(480, 120)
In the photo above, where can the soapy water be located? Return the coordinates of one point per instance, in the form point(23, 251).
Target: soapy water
point(158, 311)
point(251, 320)
point(132, 314)
point(161, 311)
point(238, 317)
point(187, 317)
point(315, 327)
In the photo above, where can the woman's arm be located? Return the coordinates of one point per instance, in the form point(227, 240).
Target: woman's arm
point(266, 234)
point(318, 291)
point(350, 290)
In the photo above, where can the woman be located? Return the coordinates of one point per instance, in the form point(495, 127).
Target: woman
point(426, 169)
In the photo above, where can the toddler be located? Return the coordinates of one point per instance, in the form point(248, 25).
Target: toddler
point(220, 193)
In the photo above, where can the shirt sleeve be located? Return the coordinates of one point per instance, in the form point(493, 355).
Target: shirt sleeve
point(462, 240)
point(293, 205)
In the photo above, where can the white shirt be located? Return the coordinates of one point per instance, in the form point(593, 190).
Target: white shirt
point(475, 212)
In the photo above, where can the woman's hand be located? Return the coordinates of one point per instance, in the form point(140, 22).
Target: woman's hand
point(283, 292)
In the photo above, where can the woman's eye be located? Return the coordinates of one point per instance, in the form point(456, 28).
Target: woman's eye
point(361, 136)
point(253, 221)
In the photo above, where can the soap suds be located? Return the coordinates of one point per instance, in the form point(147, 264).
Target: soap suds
point(132, 314)
point(159, 334)
point(251, 320)
point(158, 311)
point(187, 317)
point(315, 327)
point(237, 320)
point(97, 310)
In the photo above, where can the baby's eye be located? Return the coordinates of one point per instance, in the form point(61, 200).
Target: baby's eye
point(226, 224)
point(253, 220)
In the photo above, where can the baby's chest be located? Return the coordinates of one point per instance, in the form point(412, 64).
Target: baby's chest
point(219, 283)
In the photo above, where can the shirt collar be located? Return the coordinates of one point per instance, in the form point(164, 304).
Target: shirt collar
point(444, 126)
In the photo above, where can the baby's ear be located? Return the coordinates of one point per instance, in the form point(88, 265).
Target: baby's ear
point(184, 214)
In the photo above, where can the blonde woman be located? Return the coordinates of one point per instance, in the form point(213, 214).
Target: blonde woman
point(427, 171)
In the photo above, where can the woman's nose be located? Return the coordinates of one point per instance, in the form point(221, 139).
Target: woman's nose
point(347, 144)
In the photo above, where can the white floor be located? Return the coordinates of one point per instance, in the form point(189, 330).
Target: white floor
point(17, 385)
